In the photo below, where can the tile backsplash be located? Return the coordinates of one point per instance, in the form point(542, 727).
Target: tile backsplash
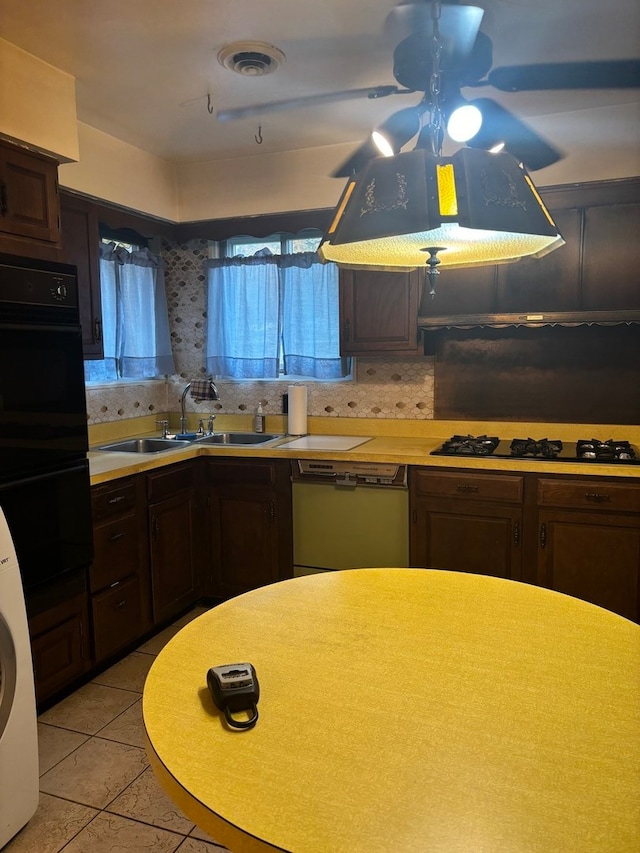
point(381, 388)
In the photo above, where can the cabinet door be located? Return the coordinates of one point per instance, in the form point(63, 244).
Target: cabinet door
point(173, 570)
point(594, 556)
point(250, 524)
point(60, 646)
point(461, 292)
point(611, 258)
point(379, 312)
point(464, 536)
point(244, 541)
point(29, 204)
point(80, 246)
point(548, 284)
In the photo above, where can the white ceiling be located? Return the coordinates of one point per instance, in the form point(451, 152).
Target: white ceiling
point(144, 68)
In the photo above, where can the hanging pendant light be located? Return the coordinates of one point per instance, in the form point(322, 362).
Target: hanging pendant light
point(477, 208)
point(419, 208)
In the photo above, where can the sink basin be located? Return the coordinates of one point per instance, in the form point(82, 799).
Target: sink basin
point(144, 445)
point(238, 438)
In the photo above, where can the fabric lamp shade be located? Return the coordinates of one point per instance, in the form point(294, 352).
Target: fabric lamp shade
point(474, 208)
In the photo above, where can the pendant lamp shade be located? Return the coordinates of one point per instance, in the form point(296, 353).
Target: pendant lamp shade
point(472, 209)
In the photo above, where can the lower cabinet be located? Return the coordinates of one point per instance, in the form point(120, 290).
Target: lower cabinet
point(467, 522)
point(60, 636)
point(173, 532)
point(589, 541)
point(118, 611)
point(576, 535)
point(249, 524)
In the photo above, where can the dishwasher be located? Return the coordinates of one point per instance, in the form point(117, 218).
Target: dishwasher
point(349, 515)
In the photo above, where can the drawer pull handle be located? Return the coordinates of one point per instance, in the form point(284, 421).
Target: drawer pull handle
point(466, 487)
point(543, 535)
point(120, 604)
point(115, 500)
point(115, 536)
point(516, 534)
point(598, 497)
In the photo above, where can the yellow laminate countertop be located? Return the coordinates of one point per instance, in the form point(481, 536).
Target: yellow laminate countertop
point(105, 466)
point(408, 710)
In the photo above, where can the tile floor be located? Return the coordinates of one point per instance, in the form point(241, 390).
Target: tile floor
point(97, 791)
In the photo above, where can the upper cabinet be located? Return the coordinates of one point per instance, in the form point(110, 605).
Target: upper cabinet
point(80, 246)
point(29, 203)
point(592, 278)
point(378, 312)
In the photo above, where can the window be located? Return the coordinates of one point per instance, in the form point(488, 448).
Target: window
point(134, 315)
point(273, 311)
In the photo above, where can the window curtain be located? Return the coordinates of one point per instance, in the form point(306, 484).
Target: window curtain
point(269, 308)
point(136, 339)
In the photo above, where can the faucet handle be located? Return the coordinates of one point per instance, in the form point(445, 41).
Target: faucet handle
point(165, 427)
point(201, 426)
point(210, 423)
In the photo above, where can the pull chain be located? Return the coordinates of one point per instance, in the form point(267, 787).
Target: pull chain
point(436, 132)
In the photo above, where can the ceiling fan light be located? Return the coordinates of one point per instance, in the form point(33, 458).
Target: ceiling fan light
point(382, 144)
point(464, 122)
point(480, 208)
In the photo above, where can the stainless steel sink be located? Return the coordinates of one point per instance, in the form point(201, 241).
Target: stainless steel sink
point(144, 445)
point(237, 438)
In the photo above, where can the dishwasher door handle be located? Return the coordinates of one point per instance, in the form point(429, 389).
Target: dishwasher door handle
point(346, 482)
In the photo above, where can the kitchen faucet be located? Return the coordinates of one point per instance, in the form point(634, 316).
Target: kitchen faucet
point(206, 391)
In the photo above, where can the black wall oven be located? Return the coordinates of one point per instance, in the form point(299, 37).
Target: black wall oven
point(45, 490)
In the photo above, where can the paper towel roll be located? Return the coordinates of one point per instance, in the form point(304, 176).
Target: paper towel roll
point(297, 415)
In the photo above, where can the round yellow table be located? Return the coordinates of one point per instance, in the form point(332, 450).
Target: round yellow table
point(406, 710)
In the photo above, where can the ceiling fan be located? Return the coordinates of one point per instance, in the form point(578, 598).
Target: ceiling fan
point(465, 60)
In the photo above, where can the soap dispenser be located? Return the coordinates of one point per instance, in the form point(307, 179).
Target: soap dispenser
point(259, 418)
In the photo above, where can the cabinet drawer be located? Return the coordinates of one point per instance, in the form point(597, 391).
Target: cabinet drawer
point(164, 484)
point(116, 618)
point(620, 497)
point(116, 552)
point(494, 487)
point(112, 499)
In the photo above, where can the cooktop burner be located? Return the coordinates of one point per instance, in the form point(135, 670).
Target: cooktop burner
point(530, 447)
point(470, 445)
point(585, 450)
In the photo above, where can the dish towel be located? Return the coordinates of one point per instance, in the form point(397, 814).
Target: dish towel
point(201, 389)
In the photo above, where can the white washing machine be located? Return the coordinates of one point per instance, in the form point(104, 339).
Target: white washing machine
point(19, 780)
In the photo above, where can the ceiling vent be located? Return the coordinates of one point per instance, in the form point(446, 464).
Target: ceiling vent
point(251, 58)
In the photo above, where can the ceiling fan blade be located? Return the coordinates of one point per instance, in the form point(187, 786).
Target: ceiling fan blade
point(500, 125)
point(360, 157)
point(372, 92)
point(608, 74)
point(458, 26)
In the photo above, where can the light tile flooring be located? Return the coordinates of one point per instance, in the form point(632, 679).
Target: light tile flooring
point(97, 791)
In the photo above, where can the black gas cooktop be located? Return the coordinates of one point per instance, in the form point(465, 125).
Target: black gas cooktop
point(590, 450)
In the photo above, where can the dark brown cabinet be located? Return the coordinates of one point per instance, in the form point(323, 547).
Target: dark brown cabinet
point(173, 531)
point(576, 535)
point(80, 246)
point(591, 278)
point(611, 258)
point(119, 609)
point(60, 636)
point(467, 522)
point(29, 203)
point(378, 312)
point(249, 524)
point(589, 541)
